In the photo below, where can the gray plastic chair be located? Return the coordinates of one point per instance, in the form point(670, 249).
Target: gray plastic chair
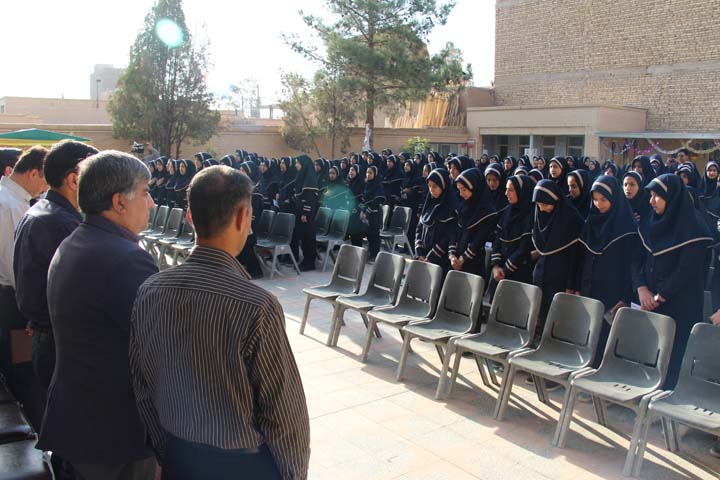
point(186, 236)
point(633, 368)
point(416, 301)
point(265, 225)
point(170, 232)
point(158, 224)
point(397, 230)
point(278, 241)
point(696, 399)
point(322, 221)
point(382, 290)
point(568, 344)
point(151, 219)
point(346, 279)
point(511, 325)
point(457, 313)
point(335, 235)
point(385, 215)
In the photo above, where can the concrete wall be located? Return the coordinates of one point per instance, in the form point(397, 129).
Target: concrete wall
point(660, 55)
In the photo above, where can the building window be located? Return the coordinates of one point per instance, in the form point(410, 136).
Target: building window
point(444, 148)
point(502, 146)
point(523, 144)
point(548, 147)
point(576, 146)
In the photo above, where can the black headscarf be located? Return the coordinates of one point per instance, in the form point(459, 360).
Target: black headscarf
point(479, 206)
point(559, 229)
point(582, 203)
point(412, 178)
point(648, 172)
point(357, 184)
point(562, 179)
point(517, 221)
point(394, 173)
point(690, 171)
point(601, 230)
point(438, 209)
point(709, 186)
point(306, 177)
point(172, 177)
point(183, 181)
point(498, 196)
point(322, 175)
point(373, 188)
point(513, 166)
point(229, 161)
point(680, 223)
point(536, 174)
point(253, 172)
point(640, 203)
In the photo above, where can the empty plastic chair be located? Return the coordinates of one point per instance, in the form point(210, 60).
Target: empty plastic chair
point(568, 344)
point(179, 247)
point(385, 215)
point(456, 314)
point(335, 235)
point(170, 232)
point(265, 225)
point(278, 242)
point(159, 223)
point(346, 279)
point(21, 460)
point(633, 368)
point(151, 218)
point(511, 325)
point(397, 231)
point(696, 399)
point(416, 301)
point(382, 290)
point(322, 221)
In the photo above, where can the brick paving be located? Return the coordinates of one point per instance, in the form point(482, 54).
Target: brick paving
point(366, 426)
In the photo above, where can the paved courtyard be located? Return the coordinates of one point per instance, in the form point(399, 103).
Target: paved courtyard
point(366, 426)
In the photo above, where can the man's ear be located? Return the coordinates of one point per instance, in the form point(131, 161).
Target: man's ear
point(118, 203)
point(73, 181)
point(8, 171)
point(189, 217)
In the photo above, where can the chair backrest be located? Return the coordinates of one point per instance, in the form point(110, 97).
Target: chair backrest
point(639, 347)
point(339, 224)
point(265, 224)
point(700, 371)
point(573, 327)
point(174, 221)
point(322, 220)
point(400, 218)
point(187, 233)
point(160, 219)
point(349, 267)
point(387, 275)
point(282, 227)
point(151, 216)
point(460, 300)
point(385, 215)
point(422, 287)
point(514, 309)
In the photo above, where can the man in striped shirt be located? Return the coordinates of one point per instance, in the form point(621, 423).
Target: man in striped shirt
point(215, 379)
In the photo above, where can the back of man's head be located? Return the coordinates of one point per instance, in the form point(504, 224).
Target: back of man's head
point(105, 174)
point(8, 159)
point(63, 158)
point(214, 196)
point(32, 159)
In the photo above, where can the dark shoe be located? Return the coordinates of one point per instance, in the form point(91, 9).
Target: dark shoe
point(715, 450)
point(256, 275)
point(584, 397)
point(306, 267)
point(551, 386)
point(529, 380)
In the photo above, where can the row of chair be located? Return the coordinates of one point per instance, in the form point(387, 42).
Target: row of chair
point(633, 366)
point(19, 459)
point(169, 236)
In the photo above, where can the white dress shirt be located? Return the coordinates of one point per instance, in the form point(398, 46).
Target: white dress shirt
point(14, 202)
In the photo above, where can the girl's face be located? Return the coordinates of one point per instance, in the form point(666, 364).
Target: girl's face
point(370, 175)
point(540, 165)
point(407, 167)
point(508, 164)
point(657, 203)
point(198, 164)
point(492, 182)
point(454, 172)
point(263, 168)
point(418, 160)
point(610, 172)
point(555, 170)
point(298, 165)
point(426, 171)
point(685, 178)
point(712, 173)
point(283, 167)
point(332, 175)
point(590, 165)
point(510, 193)
point(637, 167)
point(465, 193)
point(630, 188)
point(183, 168)
point(390, 164)
point(435, 189)
point(573, 187)
point(352, 173)
point(545, 207)
point(170, 168)
point(160, 167)
point(601, 202)
point(318, 168)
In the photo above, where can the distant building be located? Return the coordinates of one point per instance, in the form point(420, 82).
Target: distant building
point(103, 81)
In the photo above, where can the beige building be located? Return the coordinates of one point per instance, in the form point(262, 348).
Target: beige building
point(571, 74)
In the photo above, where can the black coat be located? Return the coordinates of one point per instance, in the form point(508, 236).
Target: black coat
point(91, 416)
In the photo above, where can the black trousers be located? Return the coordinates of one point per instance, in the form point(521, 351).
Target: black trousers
point(194, 461)
point(248, 258)
point(137, 470)
point(304, 237)
point(43, 357)
point(373, 233)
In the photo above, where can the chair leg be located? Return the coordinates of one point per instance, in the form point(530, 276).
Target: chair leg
point(540, 389)
point(368, 339)
point(325, 260)
point(563, 411)
point(505, 391)
point(273, 268)
point(292, 257)
point(481, 367)
point(455, 371)
point(491, 372)
point(642, 443)
point(442, 382)
point(640, 415)
point(440, 352)
point(599, 411)
point(403, 357)
point(560, 438)
point(334, 325)
point(305, 315)
point(374, 328)
point(674, 435)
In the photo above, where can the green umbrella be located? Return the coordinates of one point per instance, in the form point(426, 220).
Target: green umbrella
point(35, 136)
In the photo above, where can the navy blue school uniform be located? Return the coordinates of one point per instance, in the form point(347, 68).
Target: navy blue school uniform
point(392, 181)
point(170, 199)
point(437, 228)
point(582, 203)
point(337, 196)
point(373, 199)
point(306, 205)
point(247, 256)
point(183, 183)
point(675, 244)
point(356, 186)
point(477, 220)
point(561, 180)
point(286, 190)
point(611, 246)
point(555, 236)
point(413, 192)
point(497, 196)
point(513, 244)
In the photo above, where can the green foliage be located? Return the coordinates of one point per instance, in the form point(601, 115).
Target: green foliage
point(416, 145)
point(299, 130)
point(162, 96)
point(378, 48)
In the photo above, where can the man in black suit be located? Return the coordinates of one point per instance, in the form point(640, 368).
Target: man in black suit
point(91, 419)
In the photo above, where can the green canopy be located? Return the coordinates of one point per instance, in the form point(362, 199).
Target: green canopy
point(35, 136)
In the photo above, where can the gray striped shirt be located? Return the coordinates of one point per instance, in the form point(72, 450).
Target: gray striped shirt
point(212, 364)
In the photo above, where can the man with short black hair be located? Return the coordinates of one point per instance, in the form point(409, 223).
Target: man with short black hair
point(91, 419)
point(215, 379)
point(8, 159)
point(37, 236)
